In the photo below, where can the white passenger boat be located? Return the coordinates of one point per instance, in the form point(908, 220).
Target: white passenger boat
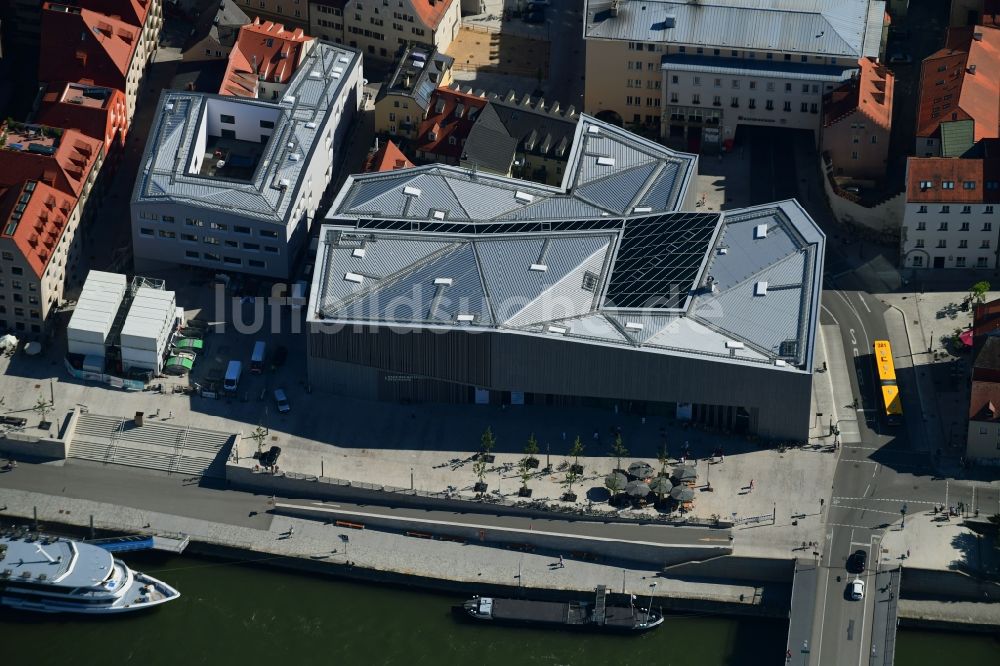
point(53, 575)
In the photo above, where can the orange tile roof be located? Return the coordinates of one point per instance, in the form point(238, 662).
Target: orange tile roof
point(444, 120)
point(34, 216)
point(387, 158)
point(263, 51)
point(870, 92)
point(984, 402)
point(982, 174)
point(66, 169)
point(132, 12)
point(961, 83)
point(79, 44)
point(431, 11)
point(98, 112)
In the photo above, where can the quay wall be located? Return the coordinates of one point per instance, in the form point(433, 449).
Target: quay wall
point(37, 447)
point(632, 552)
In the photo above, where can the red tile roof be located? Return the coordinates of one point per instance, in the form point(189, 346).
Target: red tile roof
point(984, 402)
point(952, 180)
point(448, 116)
point(263, 51)
point(870, 92)
point(960, 83)
point(431, 11)
point(132, 12)
point(34, 216)
point(98, 112)
point(985, 320)
point(387, 158)
point(66, 169)
point(82, 45)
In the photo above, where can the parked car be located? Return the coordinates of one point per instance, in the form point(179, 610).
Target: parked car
point(280, 354)
point(856, 589)
point(900, 58)
point(856, 562)
point(282, 400)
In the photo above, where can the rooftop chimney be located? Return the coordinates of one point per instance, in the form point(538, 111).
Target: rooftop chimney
point(614, 8)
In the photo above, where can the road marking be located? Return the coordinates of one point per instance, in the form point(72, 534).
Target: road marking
point(866, 509)
point(870, 462)
point(854, 339)
point(884, 499)
point(861, 543)
point(861, 298)
point(335, 506)
point(860, 527)
point(866, 490)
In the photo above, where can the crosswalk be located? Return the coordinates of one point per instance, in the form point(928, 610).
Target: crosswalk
point(161, 446)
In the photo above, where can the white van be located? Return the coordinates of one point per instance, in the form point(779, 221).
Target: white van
point(233, 373)
point(257, 358)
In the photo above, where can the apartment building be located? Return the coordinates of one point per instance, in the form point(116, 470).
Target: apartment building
point(951, 212)
point(404, 100)
point(293, 13)
point(96, 111)
point(857, 121)
point(47, 179)
point(232, 183)
point(216, 28)
point(442, 134)
point(381, 28)
point(102, 42)
point(698, 70)
point(957, 100)
point(264, 59)
point(983, 434)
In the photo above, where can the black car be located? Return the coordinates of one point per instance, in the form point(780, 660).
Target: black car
point(856, 562)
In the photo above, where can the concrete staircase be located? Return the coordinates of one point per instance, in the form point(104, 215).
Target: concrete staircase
point(161, 446)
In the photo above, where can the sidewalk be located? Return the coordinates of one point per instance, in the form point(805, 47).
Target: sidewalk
point(934, 541)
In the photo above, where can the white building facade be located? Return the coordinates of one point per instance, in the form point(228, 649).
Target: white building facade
point(233, 184)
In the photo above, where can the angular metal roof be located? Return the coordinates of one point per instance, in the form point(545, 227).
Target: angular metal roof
point(302, 113)
point(839, 28)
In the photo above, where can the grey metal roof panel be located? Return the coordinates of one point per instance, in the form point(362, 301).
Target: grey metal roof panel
point(688, 333)
point(651, 324)
point(594, 326)
point(484, 201)
point(554, 208)
point(824, 27)
point(617, 191)
point(662, 192)
point(566, 297)
point(765, 321)
point(625, 156)
point(685, 62)
point(746, 255)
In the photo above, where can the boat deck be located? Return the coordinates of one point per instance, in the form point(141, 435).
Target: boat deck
point(550, 612)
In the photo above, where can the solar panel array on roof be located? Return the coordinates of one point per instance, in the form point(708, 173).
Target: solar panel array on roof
point(658, 260)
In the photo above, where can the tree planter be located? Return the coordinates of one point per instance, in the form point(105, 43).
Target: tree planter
point(524, 492)
point(487, 458)
point(576, 469)
point(569, 497)
point(45, 425)
point(531, 463)
point(480, 487)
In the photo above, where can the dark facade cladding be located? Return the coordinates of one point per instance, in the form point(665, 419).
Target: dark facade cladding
point(392, 363)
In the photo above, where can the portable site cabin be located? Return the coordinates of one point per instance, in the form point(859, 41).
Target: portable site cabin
point(88, 329)
point(147, 329)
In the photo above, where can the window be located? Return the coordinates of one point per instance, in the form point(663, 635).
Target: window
point(966, 209)
point(813, 108)
point(942, 243)
point(210, 256)
point(168, 218)
point(874, 138)
point(271, 249)
point(17, 270)
point(235, 261)
point(736, 84)
point(673, 79)
point(167, 234)
point(211, 240)
point(805, 88)
point(988, 210)
point(769, 105)
point(985, 245)
point(959, 262)
point(855, 139)
point(922, 209)
point(217, 226)
point(267, 124)
point(942, 226)
point(674, 99)
point(770, 86)
point(963, 244)
point(945, 209)
point(716, 101)
point(696, 98)
point(251, 247)
point(918, 261)
point(787, 106)
point(7, 256)
point(854, 154)
point(734, 102)
point(752, 103)
point(987, 226)
point(227, 120)
point(239, 229)
point(947, 184)
point(964, 227)
point(718, 83)
point(788, 87)
point(256, 263)
point(920, 243)
point(921, 226)
point(230, 243)
point(191, 254)
point(804, 107)
point(145, 232)
point(194, 222)
point(981, 262)
point(753, 85)
point(697, 80)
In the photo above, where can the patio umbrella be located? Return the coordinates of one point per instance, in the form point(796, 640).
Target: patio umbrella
point(615, 479)
point(8, 341)
point(682, 494)
point(684, 473)
point(661, 485)
point(640, 470)
point(966, 337)
point(33, 348)
point(637, 489)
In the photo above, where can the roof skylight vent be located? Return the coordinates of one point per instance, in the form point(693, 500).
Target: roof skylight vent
point(642, 209)
point(523, 196)
point(606, 161)
point(469, 318)
point(634, 326)
point(760, 288)
point(539, 268)
point(760, 231)
point(358, 253)
point(411, 191)
point(593, 129)
point(561, 330)
point(443, 282)
point(732, 344)
point(354, 277)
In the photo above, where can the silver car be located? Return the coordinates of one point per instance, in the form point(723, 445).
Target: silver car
point(282, 400)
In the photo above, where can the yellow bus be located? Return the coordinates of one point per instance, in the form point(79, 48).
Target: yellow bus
point(892, 406)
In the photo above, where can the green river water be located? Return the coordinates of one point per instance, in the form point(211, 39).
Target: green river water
point(245, 615)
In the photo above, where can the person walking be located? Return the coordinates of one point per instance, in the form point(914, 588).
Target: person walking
point(562, 564)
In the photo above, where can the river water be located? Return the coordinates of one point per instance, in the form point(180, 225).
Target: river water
point(247, 615)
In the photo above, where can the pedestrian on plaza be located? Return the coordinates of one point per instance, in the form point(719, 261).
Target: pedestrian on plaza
point(751, 485)
point(562, 564)
point(907, 553)
point(564, 435)
point(291, 530)
point(171, 415)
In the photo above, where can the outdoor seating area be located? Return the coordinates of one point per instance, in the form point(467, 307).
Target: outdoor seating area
point(641, 486)
point(226, 157)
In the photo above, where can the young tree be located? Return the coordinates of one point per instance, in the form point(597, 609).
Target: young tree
point(531, 450)
point(486, 445)
point(576, 451)
point(42, 408)
point(479, 469)
point(568, 481)
point(977, 294)
point(618, 450)
point(258, 436)
point(663, 458)
point(524, 470)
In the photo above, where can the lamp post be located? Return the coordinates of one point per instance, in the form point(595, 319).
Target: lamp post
point(649, 609)
point(903, 511)
point(411, 478)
